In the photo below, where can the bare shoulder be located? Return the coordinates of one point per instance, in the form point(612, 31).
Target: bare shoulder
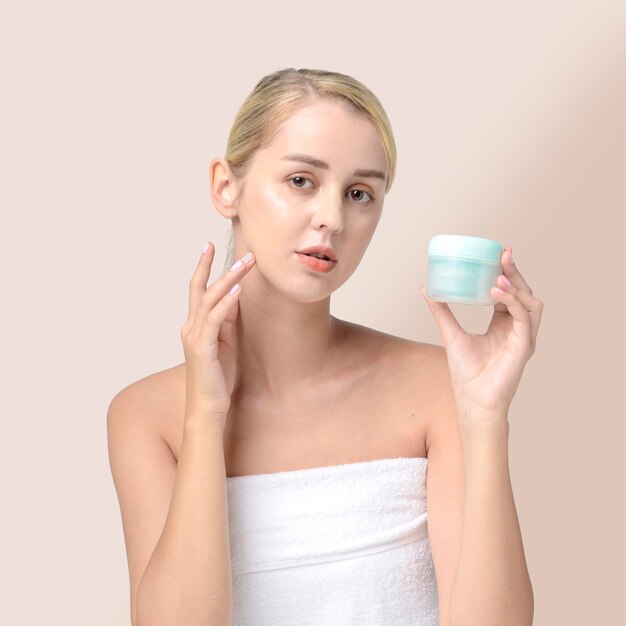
point(415, 372)
point(369, 338)
point(150, 401)
point(410, 356)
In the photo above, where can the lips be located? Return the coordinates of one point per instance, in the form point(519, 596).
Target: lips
point(323, 251)
point(317, 265)
point(317, 255)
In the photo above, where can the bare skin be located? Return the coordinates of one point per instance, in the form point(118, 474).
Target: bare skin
point(375, 407)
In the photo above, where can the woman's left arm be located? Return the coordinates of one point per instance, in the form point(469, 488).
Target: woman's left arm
point(491, 583)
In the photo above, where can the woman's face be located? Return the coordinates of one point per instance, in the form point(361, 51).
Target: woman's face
point(290, 205)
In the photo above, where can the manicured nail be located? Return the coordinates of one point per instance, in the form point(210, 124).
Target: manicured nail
point(247, 257)
point(206, 247)
point(506, 281)
point(236, 266)
point(511, 257)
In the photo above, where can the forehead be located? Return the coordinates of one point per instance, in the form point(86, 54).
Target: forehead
point(326, 130)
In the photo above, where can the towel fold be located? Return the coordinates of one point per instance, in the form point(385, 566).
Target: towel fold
point(333, 546)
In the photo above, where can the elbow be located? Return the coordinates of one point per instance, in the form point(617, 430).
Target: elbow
point(517, 610)
point(155, 613)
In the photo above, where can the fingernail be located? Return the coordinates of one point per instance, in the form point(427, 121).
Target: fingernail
point(236, 266)
point(206, 247)
point(511, 257)
point(247, 257)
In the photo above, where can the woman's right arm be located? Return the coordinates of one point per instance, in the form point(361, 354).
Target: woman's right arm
point(186, 577)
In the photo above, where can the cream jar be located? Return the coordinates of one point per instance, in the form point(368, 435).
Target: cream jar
point(463, 269)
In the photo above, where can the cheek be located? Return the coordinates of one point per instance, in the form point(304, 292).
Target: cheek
point(274, 204)
point(269, 219)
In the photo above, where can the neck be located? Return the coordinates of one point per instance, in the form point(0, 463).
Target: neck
point(282, 345)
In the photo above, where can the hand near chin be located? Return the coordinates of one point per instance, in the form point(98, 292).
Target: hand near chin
point(208, 337)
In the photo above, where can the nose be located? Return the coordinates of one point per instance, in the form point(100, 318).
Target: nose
point(328, 209)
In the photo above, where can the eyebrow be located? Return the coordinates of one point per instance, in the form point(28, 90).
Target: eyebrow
point(305, 158)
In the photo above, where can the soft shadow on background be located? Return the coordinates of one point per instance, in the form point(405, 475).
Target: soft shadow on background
point(510, 121)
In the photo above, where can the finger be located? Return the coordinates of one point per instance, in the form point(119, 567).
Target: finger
point(514, 307)
point(227, 328)
point(511, 271)
point(199, 279)
point(532, 305)
point(448, 324)
point(213, 323)
point(215, 292)
point(523, 293)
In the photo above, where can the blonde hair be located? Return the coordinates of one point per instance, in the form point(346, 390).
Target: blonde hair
point(277, 96)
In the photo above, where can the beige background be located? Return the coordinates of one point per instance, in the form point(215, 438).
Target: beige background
point(510, 120)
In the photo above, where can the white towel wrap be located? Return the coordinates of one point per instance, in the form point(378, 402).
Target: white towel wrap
point(333, 546)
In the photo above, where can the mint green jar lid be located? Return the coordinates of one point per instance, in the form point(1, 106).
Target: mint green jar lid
point(466, 247)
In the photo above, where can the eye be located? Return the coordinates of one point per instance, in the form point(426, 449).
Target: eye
point(300, 178)
point(371, 198)
point(362, 191)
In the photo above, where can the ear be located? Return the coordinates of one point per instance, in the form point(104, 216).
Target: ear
point(223, 187)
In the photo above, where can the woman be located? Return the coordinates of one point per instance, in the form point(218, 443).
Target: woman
point(278, 475)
